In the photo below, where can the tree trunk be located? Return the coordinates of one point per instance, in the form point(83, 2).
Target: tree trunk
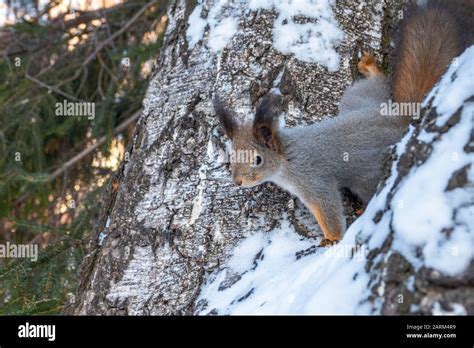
point(175, 216)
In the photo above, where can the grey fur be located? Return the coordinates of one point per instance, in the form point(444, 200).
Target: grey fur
point(359, 133)
point(316, 167)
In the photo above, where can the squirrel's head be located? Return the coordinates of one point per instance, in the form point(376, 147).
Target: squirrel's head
point(257, 152)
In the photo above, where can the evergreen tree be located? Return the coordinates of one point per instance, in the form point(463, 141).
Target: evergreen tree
point(53, 167)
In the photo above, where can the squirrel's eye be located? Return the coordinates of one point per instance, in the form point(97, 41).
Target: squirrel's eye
point(258, 160)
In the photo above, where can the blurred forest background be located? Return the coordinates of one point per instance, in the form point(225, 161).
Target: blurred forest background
point(53, 168)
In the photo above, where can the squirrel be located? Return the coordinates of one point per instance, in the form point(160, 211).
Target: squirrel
point(316, 162)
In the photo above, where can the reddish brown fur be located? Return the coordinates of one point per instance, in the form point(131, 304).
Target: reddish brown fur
point(367, 66)
point(328, 221)
point(430, 40)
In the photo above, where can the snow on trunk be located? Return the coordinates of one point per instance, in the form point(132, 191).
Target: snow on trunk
point(182, 239)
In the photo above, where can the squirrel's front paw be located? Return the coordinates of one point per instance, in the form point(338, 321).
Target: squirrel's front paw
point(327, 242)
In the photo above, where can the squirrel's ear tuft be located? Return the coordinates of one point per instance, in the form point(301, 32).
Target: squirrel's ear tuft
point(226, 119)
point(265, 124)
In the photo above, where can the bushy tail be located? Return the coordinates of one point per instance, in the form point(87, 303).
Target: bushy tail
point(429, 39)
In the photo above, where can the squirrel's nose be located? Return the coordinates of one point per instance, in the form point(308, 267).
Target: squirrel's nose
point(238, 181)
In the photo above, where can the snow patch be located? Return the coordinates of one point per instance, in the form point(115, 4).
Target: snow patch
point(221, 33)
point(196, 26)
point(221, 28)
point(279, 272)
point(312, 40)
point(457, 309)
